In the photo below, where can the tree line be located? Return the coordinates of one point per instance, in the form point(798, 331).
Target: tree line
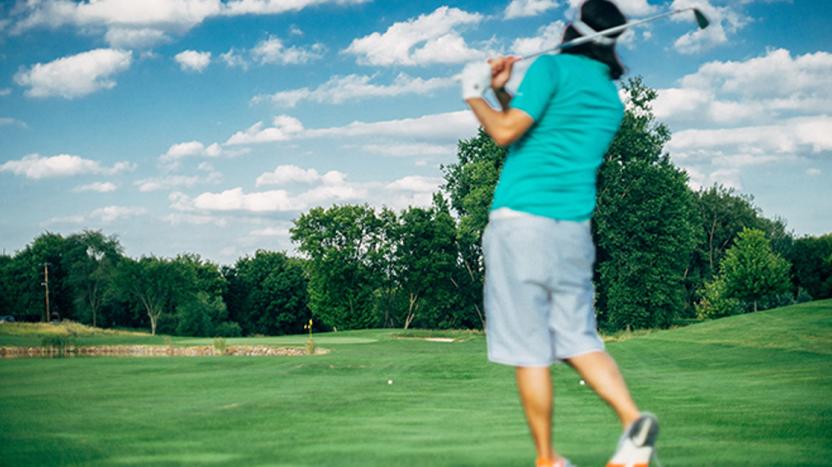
point(665, 254)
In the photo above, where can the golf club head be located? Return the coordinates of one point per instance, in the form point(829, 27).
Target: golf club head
point(701, 19)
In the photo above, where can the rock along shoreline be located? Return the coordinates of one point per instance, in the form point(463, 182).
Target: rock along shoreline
point(155, 351)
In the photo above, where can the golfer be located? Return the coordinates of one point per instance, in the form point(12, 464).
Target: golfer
point(538, 246)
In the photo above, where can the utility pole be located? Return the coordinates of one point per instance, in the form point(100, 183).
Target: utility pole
point(45, 285)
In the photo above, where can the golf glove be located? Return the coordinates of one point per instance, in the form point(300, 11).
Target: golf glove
point(476, 80)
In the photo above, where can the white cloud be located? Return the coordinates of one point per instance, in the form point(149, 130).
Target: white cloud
point(407, 134)
point(523, 8)
point(192, 60)
point(135, 38)
point(105, 215)
point(36, 167)
point(339, 89)
point(730, 115)
point(331, 187)
point(99, 187)
point(285, 127)
point(237, 200)
point(178, 218)
point(443, 126)
point(272, 51)
point(285, 174)
point(271, 232)
point(234, 59)
point(546, 37)
point(8, 121)
point(410, 150)
point(5, 92)
point(417, 184)
point(760, 89)
point(799, 135)
point(75, 75)
point(171, 181)
point(724, 21)
point(813, 172)
point(428, 39)
point(181, 151)
point(113, 213)
point(264, 7)
point(146, 22)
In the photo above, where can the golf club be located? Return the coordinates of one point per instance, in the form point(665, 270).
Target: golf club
point(701, 21)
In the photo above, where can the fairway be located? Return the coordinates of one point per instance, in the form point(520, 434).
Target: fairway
point(752, 389)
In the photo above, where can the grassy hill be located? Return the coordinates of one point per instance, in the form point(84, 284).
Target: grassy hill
point(752, 389)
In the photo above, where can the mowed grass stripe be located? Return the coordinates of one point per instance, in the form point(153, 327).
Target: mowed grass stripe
point(753, 389)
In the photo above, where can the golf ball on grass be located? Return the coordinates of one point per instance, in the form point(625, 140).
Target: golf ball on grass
point(389, 381)
point(582, 383)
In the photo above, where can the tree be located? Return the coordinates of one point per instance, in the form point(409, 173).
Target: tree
point(27, 278)
point(645, 225)
point(645, 236)
point(470, 183)
point(267, 294)
point(200, 316)
point(157, 284)
point(347, 250)
point(91, 260)
point(6, 301)
point(716, 302)
point(811, 259)
point(426, 259)
point(752, 271)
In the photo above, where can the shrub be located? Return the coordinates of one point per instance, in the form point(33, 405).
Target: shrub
point(715, 302)
point(220, 345)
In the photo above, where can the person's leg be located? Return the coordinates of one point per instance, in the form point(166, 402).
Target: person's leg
point(599, 370)
point(535, 387)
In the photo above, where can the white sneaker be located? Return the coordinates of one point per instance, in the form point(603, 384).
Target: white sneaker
point(637, 444)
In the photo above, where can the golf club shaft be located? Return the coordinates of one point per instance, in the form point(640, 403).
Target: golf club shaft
point(585, 39)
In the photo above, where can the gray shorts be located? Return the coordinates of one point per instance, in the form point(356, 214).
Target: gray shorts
point(538, 290)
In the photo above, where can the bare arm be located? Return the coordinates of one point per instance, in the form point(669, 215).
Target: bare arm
point(504, 127)
point(507, 125)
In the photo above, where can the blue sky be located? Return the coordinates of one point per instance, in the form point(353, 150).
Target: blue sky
point(206, 126)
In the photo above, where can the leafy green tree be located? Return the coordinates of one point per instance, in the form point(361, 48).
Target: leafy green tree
point(752, 271)
point(724, 214)
point(811, 259)
point(200, 316)
point(348, 253)
point(426, 262)
point(716, 302)
point(157, 284)
point(470, 183)
point(267, 294)
point(645, 223)
point(91, 260)
point(27, 277)
point(6, 290)
point(645, 237)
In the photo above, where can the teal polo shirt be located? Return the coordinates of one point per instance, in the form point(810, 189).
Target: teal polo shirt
point(551, 170)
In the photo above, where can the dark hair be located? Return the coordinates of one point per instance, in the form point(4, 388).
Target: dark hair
point(599, 15)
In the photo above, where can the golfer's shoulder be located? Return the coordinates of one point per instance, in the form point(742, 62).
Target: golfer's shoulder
point(546, 65)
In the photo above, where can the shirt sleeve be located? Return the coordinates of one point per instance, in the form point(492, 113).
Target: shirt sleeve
point(537, 88)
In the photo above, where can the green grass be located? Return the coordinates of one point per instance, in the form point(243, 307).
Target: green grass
point(753, 389)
